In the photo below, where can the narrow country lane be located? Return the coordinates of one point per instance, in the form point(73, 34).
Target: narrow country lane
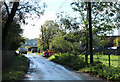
point(43, 69)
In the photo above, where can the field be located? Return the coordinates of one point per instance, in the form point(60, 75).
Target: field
point(114, 59)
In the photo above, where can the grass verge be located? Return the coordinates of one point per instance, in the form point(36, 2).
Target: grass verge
point(39, 53)
point(17, 70)
point(103, 71)
point(68, 60)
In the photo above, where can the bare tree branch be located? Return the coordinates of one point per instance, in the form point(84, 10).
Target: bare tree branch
point(6, 8)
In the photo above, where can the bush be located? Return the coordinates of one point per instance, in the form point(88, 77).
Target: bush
point(99, 69)
point(69, 60)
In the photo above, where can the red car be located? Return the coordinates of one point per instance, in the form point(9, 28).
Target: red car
point(47, 54)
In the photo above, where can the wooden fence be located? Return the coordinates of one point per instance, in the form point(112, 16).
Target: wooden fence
point(107, 52)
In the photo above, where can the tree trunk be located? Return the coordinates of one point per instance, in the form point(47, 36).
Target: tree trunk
point(8, 22)
point(90, 33)
point(86, 56)
point(48, 39)
point(48, 44)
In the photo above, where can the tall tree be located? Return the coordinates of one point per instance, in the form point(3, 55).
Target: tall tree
point(42, 40)
point(14, 39)
point(59, 44)
point(9, 21)
point(17, 10)
point(49, 30)
point(72, 29)
point(101, 16)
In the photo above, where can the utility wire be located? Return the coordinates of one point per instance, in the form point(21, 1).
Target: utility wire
point(64, 1)
point(61, 5)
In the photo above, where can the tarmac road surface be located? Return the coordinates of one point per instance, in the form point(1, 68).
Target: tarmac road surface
point(43, 69)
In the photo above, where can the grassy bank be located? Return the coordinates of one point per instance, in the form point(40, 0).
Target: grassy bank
point(98, 68)
point(17, 70)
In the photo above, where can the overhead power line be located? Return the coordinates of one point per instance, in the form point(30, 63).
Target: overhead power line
point(64, 1)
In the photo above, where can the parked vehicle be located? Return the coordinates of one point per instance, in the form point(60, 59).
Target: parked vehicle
point(23, 51)
point(48, 53)
point(45, 53)
point(34, 50)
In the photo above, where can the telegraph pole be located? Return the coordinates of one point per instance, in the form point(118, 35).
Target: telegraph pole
point(90, 33)
point(42, 37)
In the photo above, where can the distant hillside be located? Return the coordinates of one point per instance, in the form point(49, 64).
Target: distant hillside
point(31, 42)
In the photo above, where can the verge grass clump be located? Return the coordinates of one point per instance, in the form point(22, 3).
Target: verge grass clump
point(39, 53)
point(17, 69)
point(103, 71)
point(69, 60)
